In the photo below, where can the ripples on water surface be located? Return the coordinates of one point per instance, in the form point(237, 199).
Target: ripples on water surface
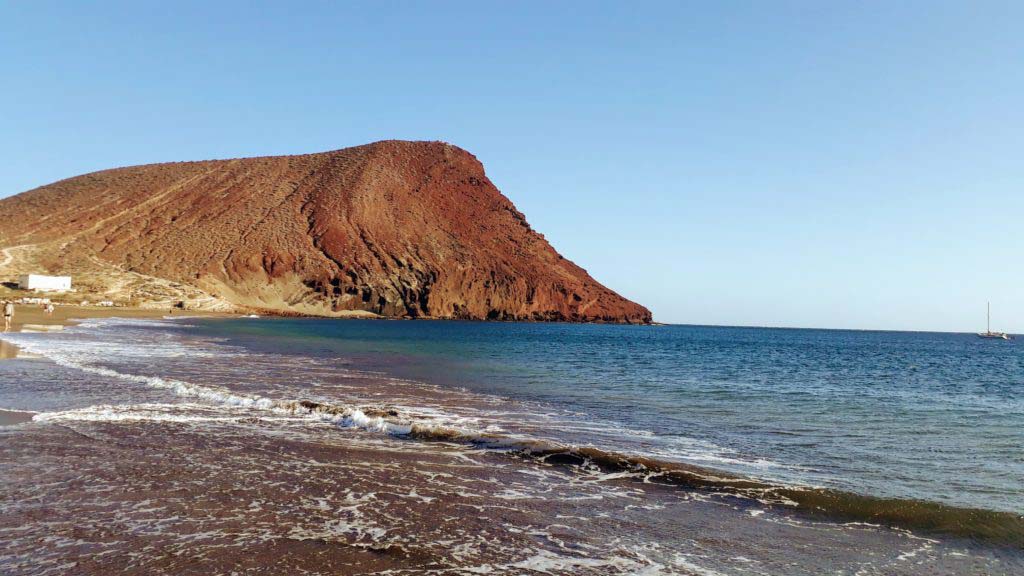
point(329, 445)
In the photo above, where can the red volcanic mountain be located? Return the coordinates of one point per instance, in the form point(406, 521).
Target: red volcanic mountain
point(397, 229)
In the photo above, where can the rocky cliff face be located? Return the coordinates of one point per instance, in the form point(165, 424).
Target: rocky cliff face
point(398, 229)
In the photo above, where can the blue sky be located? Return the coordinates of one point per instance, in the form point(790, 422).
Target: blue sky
point(825, 164)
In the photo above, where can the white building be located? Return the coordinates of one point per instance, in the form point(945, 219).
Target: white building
point(44, 283)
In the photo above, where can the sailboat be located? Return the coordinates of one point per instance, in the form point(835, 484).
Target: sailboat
point(988, 333)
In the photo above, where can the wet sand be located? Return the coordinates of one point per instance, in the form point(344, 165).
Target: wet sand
point(66, 315)
point(162, 489)
point(7, 350)
point(11, 417)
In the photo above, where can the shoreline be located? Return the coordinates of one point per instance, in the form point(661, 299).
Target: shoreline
point(29, 318)
point(924, 517)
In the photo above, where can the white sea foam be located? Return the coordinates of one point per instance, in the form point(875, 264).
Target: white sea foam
point(342, 415)
point(178, 413)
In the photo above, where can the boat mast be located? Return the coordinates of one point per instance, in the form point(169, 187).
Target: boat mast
point(988, 317)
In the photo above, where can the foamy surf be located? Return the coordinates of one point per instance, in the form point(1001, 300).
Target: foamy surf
point(997, 527)
point(524, 421)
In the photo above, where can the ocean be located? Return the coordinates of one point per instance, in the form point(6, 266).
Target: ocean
point(347, 446)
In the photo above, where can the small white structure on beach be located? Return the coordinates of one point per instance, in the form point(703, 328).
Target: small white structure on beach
point(36, 301)
point(44, 283)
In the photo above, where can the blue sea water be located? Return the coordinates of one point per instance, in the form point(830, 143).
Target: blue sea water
point(925, 416)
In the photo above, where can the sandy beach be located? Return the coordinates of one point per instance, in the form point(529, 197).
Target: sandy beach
point(67, 315)
point(31, 318)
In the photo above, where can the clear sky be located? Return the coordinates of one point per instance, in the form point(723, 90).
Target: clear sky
point(830, 164)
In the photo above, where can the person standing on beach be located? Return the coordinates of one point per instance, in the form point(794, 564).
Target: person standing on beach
point(8, 314)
